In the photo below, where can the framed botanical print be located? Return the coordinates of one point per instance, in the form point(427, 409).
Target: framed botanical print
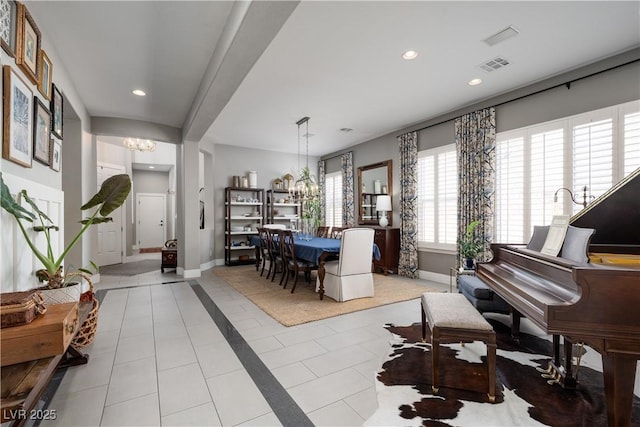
point(8, 18)
point(46, 75)
point(17, 118)
point(55, 154)
point(28, 44)
point(56, 111)
point(41, 132)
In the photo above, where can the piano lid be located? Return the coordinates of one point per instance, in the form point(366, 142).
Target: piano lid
point(615, 215)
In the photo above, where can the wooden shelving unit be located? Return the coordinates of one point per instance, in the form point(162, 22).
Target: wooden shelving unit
point(244, 213)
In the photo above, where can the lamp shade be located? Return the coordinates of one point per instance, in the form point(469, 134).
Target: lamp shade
point(383, 203)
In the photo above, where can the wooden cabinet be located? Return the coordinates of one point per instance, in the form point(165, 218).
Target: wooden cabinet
point(281, 209)
point(388, 241)
point(244, 213)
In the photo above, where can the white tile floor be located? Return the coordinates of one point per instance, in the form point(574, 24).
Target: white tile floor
point(160, 359)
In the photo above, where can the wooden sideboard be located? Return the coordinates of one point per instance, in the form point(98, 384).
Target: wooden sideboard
point(388, 241)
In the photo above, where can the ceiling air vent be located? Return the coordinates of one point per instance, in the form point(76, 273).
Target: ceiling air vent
point(494, 64)
point(501, 36)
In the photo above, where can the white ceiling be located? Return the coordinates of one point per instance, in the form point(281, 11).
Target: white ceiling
point(338, 62)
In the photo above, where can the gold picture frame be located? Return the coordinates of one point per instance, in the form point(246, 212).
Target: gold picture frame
point(46, 75)
point(8, 17)
point(28, 44)
point(17, 118)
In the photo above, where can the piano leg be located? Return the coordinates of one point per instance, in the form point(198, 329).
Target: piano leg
point(561, 371)
point(515, 324)
point(619, 378)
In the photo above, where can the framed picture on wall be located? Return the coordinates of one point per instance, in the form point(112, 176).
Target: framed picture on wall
point(41, 132)
point(46, 75)
point(8, 17)
point(56, 111)
point(17, 118)
point(28, 44)
point(55, 154)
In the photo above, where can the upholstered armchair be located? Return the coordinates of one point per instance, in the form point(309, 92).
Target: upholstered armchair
point(350, 276)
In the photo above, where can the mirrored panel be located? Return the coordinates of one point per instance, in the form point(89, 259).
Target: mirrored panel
point(373, 181)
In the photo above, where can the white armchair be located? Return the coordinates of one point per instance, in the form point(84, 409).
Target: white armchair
point(350, 276)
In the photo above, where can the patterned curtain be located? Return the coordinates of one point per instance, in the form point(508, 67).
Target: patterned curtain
point(322, 191)
point(348, 205)
point(476, 142)
point(408, 205)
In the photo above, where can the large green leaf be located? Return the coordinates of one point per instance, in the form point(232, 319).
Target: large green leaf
point(112, 194)
point(97, 220)
point(34, 206)
point(10, 205)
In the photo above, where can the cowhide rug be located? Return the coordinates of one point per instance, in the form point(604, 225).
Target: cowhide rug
point(523, 397)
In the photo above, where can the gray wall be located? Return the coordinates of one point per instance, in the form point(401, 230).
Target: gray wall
point(597, 88)
point(230, 161)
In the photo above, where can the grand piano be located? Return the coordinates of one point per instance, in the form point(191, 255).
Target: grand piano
point(596, 303)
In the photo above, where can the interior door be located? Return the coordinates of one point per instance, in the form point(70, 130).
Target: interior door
point(150, 220)
point(109, 247)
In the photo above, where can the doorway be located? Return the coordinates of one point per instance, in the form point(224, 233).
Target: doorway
point(151, 219)
point(110, 234)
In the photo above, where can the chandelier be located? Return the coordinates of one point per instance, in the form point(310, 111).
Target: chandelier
point(138, 144)
point(306, 186)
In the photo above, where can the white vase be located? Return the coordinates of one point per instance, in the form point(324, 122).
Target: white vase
point(62, 295)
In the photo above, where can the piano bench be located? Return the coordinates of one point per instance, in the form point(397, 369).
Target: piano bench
point(452, 318)
point(481, 296)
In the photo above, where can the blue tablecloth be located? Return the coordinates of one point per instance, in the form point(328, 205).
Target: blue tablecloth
point(310, 250)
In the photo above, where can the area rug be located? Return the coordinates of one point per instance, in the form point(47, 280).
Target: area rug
point(131, 268)
point(150, 250)
point(304, 305)
point(523, 398)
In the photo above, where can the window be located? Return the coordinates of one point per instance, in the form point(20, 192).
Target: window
point(333, 199)
point(593, 150)
point(438, 197)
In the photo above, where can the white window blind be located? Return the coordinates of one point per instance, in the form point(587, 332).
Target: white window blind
point(594, 149)
point(438, 197)
point(333, 199)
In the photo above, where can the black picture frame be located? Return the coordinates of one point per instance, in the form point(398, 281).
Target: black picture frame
point(57, 106)
point(41, 132)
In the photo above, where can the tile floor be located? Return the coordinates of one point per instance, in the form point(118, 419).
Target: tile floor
point(174, 353)
point(160, 358)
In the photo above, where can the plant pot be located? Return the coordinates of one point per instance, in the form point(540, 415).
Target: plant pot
point(70, 293)
point(468, 263)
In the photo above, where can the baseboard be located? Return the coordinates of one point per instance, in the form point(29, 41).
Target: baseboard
point(207, 265)
point(434, 277)
point(188, 274)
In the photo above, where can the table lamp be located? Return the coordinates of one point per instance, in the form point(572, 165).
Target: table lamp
point(383, 204)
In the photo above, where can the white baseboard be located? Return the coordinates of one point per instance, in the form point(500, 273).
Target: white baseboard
point(435, 277)
point(207, 265)
point(188, 274)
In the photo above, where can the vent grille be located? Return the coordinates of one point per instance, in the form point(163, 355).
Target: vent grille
point(501, 36)
point(494, 64)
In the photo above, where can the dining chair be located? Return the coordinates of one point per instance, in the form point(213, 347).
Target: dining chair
point(264, 249)
point(336, 232)
point(322, 231)
point(350, 276)
point(273, 245)
point(293, 265)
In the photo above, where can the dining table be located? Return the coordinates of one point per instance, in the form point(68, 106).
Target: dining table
point(316, 250)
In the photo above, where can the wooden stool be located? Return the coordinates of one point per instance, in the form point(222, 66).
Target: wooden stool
point(451, 318)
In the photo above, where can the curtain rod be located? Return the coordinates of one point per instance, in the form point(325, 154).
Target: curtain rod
point(567, 84)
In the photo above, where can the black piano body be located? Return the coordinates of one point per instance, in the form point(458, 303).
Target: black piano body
point(597, 303)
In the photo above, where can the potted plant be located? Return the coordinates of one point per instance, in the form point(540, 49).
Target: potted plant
point(470, 246)
point(110, 197)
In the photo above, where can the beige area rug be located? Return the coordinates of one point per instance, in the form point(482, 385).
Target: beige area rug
point(304, 305)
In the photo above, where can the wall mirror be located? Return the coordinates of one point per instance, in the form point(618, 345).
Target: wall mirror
point(373, 180)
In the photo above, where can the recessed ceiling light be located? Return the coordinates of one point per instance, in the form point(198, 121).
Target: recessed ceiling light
point(474, 82)
point(345, 129)
point(409, 55)
point(152, 167)
point(138, 92)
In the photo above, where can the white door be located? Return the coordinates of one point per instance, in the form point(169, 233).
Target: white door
point(109, 247)
point(150, 220)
